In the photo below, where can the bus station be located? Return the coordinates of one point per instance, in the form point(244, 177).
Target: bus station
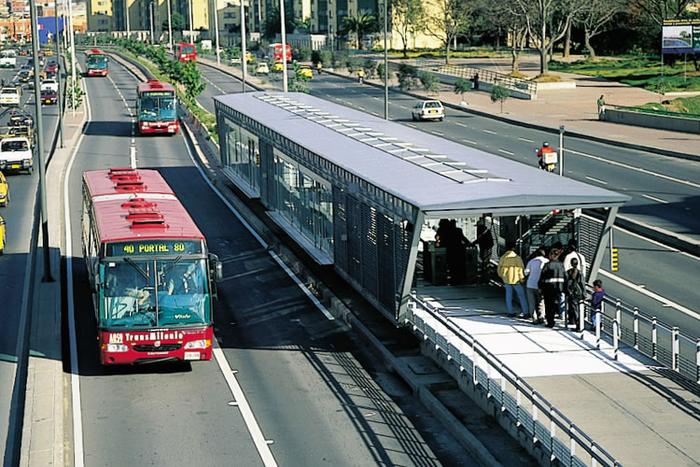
point(367, 196)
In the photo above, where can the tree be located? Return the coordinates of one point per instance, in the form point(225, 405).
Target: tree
point(547, 22)
point(177, 21)
point(503, 16)
point(596, 17)
point(447, 20)
point(408, 77)
point(429, 81)
point(408, 19)
point(462, 86)
point(359, 25)
point(499, 94)
point(273, 25)
point(659, 10)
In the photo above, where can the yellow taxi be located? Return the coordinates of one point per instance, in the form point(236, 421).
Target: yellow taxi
point(277, 67)
point(249, 57)
point(305, 72)
point(4, 191)
point(2, 235)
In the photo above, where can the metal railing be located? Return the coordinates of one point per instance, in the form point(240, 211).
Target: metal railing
point(546, 426)
point(664, 344)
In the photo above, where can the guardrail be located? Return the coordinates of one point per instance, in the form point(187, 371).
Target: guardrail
point(545, 426)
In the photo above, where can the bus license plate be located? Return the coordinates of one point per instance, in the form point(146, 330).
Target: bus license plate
point(191, 355)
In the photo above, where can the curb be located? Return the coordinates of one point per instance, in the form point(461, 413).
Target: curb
point(535, 126)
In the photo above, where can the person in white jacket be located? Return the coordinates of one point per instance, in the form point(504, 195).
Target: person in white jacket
point(534, 296)
point(574, 253)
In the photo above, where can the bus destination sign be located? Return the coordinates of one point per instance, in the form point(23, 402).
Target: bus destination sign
point(158, 94)
point(155, 248)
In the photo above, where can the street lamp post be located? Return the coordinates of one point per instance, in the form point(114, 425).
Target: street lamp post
point(170, 27)
point(244, 62)
point(58, 75)
point(38, 124)
point(283, 30)
point(71, 38)
point(386, 61)
point(561, 150)
point(216, 31)
point(150, 16)
point(126, 12)
point(191, 24)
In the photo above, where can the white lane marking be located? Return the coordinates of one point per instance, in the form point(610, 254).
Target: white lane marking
point(525, 139)
point(470, 142)
point(636, 169)
point(78, 454)
point(654, 198)
point(596, 180)
point(262, 242)
point(361, 108)
point(505, 151)
point(488, 131)
point(461, 124)
point(213, 84)
point(242, 404)
point(644, 291)
point(437, 133)
point(126, 104)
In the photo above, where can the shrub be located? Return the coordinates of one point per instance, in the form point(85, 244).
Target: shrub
point(429, 81)
point(499, 94)
point(407, 76)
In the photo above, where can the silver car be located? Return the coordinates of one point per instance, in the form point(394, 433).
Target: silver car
point(428, 110)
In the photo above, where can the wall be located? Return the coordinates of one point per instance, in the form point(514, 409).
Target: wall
point(661, 122)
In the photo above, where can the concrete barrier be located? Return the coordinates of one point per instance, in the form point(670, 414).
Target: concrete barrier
point(649, 120)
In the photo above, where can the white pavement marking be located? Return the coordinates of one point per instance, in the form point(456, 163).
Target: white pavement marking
point(470, 142)
point(644, 291)
point(214, 84)
point(505, 151)
point(461, 124)
point(525, 139)
point(126, 104)
point(242, 404)
point(637, 169)
point(596, 180)
point(78, 453)
point(654, 198)
point(437, 133)
point(262, 242)
point(488, 131)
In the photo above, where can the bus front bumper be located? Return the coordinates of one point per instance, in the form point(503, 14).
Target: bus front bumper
point(146, 128)
point(97, 72)
point(128, 348)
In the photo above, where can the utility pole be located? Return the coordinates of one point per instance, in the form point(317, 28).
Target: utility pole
point(244, 62)
point(39, 126)
point(386, 61)
point(58, 74)
point(191, 24)
point(283, 30)
point(128, 23)
point(216, 33)
point(561, 150)
point(153, 31)
point(170, 27)
point(71, 37)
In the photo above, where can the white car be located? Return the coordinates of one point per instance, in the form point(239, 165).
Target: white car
point(428, 110)
point(262, 69)
point(8, 59)
point(49, 84)
point(10, 96)
point(16, 154)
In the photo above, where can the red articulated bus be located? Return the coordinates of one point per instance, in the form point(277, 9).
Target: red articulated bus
point(97, 63)
point(186, 52)
point(156, 108)
point(149, 268)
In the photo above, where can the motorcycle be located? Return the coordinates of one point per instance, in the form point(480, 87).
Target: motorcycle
point(547, 161)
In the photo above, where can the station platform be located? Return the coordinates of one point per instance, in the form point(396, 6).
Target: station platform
point(639, 412)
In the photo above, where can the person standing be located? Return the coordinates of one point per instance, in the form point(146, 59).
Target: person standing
point(552, 286)
point(534, 297)
point(601, 107)
point(572, 254)
point(512, 272)
point(597, 300)
point(476, 81)
point(575, 292)
point(485, 241)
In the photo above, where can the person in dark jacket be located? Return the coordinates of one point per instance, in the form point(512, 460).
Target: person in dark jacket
point(551, 283)
point(575, 292)
point(597, 299)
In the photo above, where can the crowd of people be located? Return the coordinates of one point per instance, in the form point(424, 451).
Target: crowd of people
point(451, 237)
point(554, 284)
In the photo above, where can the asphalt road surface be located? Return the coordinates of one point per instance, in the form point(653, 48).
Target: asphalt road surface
point(652, 276)
point(312, 399)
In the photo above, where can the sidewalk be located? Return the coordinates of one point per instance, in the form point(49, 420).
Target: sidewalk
point(638, 412)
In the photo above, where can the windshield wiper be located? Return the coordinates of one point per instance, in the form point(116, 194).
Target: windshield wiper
point(131, 263)
point(171, 266)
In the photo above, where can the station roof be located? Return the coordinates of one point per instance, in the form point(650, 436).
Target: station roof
point(434, 174)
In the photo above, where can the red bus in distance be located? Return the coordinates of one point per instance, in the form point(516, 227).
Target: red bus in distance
point(186, 52)
point(150, 272)
point(276, 52)
point(97, 63)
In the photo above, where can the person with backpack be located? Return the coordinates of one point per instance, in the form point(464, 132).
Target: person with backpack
point(575, 292)
point(551, 283)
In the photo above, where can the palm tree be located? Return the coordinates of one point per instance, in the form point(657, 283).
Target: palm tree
point(360, 25)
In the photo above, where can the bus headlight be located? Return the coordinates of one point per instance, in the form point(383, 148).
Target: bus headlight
point(198, 344)
point(117, 348)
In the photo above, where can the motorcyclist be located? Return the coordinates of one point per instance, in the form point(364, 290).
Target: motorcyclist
point(361, 75)
point(546, 149)
point(319, 67)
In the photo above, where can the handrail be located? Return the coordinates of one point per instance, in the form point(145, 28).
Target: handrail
point(561, 446)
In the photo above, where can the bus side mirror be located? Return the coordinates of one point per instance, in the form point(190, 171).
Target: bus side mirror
point(217, 268)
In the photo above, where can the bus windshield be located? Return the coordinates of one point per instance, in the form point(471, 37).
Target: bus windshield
point(157, 108)
point(154, 293)
point(97, 61)
point(187, 49)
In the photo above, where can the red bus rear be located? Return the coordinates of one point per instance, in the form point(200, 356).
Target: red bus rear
point(149, 268)
point(186, 52)
point(276, 52)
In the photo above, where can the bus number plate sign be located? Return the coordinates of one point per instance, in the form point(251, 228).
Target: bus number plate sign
point(154, 247)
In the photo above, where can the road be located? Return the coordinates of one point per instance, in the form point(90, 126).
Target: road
point(314, 397)
point(652, 276)
point(19, 216)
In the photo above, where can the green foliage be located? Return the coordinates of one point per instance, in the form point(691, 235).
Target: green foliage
point(462, 86)
point(353, 64)
point(380, 70)
point(359, 25)
point(303, 54)
point(408, 77)
point(370, 67)
point(74, 94)
point(177, 21)
point(429, 81)
point(326, 57)
point(499, 94)
point(338, 57)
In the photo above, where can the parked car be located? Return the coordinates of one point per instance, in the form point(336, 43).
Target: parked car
point(4, 191)
point(428, 110)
